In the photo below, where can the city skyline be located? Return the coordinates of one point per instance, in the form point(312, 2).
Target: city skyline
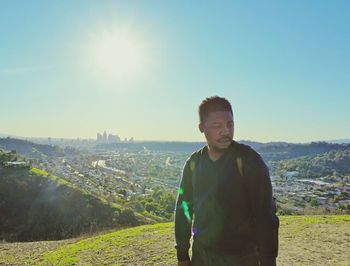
point(70, 69)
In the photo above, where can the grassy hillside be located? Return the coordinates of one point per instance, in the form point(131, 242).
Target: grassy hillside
point(35, 205)
point(304, 240)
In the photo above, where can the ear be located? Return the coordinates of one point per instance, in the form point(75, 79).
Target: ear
point(201, 127)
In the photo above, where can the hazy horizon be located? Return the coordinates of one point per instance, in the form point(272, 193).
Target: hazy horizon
point(2, 135)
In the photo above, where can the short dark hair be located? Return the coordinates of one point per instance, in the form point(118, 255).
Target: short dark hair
point(213, 104)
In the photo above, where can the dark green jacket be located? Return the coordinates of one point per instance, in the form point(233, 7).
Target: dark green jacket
point(229, 204)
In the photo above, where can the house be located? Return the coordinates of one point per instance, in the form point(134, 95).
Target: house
point(321, 200)
point(16, 164)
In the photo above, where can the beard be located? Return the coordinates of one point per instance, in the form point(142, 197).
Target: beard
point(222, 150)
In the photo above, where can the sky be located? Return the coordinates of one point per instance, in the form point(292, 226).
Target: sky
point(71, 69)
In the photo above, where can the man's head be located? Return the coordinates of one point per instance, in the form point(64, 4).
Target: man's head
point(216, 122)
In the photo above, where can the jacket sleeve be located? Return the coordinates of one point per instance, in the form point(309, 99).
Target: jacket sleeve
point(184, 214)
point(264, 210)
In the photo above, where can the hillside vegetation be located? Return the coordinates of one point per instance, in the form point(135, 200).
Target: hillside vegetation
point(331, 164)
point(304, 240)
point(36, 205)
point(284, 151)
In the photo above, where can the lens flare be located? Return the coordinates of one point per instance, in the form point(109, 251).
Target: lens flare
point(184, 206)
point(181, 191)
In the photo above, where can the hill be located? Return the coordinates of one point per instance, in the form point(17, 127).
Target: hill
point(36, 205)
point(283, 151)
point(30, 149)
point(336, 162)
point(304, 240)
point(272, 151)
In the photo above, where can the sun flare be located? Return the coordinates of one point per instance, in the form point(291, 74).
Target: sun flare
point(117, 55)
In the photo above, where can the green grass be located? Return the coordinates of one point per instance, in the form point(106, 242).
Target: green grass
point(304, 240)
point(39, 171)
point(315, 219)
point(58, 180)
point(134, 245)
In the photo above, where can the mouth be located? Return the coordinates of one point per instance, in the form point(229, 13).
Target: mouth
point(224, 140)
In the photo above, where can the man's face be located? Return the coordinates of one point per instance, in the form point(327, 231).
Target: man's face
point(218, 129)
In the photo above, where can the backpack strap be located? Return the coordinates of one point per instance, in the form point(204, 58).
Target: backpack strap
point(192, 166)
point(239, 162)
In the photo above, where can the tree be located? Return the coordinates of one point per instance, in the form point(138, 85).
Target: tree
point(314, 202)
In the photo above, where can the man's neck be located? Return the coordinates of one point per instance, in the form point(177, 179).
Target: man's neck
point(213, 154)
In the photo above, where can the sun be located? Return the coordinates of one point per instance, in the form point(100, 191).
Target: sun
point(117, 55)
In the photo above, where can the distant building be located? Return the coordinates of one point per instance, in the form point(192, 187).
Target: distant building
point(107, 139)
point(291, 174)
point(16, 164)
point(113, 138)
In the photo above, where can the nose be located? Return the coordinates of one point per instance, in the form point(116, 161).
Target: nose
point(225, 131)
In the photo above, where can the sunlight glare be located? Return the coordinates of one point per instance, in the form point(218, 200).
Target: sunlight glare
point(117, 55)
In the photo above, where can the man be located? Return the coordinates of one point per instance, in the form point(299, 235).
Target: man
point(225, 198)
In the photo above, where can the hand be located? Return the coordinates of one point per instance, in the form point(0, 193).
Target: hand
point(184, 263)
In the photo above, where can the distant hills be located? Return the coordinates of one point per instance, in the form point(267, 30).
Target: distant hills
point(269, 151)
point(339, 141)
point(277, 152)
point(30, 149)
point(163, 145)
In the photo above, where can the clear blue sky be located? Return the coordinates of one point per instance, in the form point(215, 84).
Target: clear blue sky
point(140, 68)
